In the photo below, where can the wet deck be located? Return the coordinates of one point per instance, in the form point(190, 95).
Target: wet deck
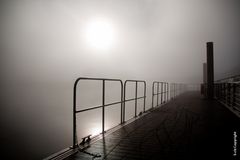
point(188, 127)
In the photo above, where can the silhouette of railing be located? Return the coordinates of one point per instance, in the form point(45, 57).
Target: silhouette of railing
point(227, 91)
point(176, 89)
point(75, 111)
point(163, 92)
point(136, 96)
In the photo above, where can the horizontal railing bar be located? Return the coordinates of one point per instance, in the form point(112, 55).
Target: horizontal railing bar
point(159, 93)
point(106, 79)
point(96, 107)
point(134, 99)
point(134, 81)
point(219, 80)
point(83, 110)
point(106, 105)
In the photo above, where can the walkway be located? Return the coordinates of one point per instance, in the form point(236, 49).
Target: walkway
point(188, 127)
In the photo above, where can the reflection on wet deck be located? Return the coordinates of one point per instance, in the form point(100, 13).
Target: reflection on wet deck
point(188, 127)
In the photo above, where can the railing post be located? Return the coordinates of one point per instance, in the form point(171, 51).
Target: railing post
point(229, 93)
point(234, 95)
point(167, 91)
point(136, 99)
point(144, 101)
point(170, 91)
point(225, 93)
point(124, 101)
point(74, 114)
point(221, 91)
point(157, 92)
point(74, 117)
point(152, 94)
point(121, 102)
point(103, 106)
point(216, 90)
point(174, 91)
point(161, 92)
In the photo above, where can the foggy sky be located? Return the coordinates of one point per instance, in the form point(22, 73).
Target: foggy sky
point(43, 51)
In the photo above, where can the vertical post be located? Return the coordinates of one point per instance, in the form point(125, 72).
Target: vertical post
point(165, 94)
point(136, 99)
point(173, 90)
point(152, 94)
point(121, 121)
point(103, 106)
point(229, 94)
point(167, 91)
point(161, 92)
point(74, 117)
point(124, 100)
point(210, 70)
point(224, 92)
point(157, 92)
point(144, 101)
point(221, 91)
point(204, 91)
point(74, 114)
point(234, 95)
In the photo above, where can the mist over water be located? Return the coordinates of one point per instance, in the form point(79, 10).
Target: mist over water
point(43, 51)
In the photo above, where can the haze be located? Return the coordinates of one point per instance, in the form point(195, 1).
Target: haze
point(43, 51)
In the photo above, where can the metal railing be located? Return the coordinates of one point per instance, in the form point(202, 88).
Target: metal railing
point(163, 92)
point(177, 89)
point(136, 98)
point(75, 111)
point(228, 94)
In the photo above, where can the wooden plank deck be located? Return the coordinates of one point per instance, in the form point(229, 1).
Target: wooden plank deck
point(188, 127)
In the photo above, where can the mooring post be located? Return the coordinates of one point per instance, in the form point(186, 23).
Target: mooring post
point(210, 71)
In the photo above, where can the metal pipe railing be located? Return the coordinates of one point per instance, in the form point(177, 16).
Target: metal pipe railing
point(136, 97)
point(228, 94)
point(165, 88)
point(163, 92)
point(75, 111)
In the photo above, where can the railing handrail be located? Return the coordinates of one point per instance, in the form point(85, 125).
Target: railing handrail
point(228, 93)
point(164, 90)
point(226, 82)
point(122, 101)
point(136, 96)
point(75, 111)
point(226, 78)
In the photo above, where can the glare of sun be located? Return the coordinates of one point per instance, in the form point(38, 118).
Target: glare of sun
point(100, 34)
point(95, 130)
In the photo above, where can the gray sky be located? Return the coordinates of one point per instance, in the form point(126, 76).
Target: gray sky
point(43, 51)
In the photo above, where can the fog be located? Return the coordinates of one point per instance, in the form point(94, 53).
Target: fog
point(43, 51)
